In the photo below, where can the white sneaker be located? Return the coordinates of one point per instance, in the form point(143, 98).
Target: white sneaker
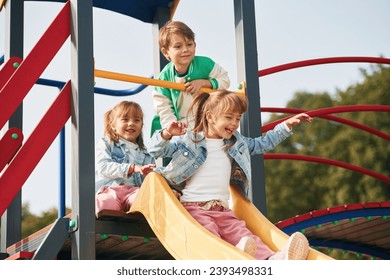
point(248, 245)
point(297, 248)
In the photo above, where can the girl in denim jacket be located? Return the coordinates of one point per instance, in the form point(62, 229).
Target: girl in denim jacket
point(121, 158)
point(213, 155)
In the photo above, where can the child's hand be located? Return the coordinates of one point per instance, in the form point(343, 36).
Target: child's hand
point(144, 169)
point(175, 128)
point(297, 119)
point(195, 86)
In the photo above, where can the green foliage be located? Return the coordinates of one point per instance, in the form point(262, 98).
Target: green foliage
point(343, 255)
point(32, 223)
point(297, 187)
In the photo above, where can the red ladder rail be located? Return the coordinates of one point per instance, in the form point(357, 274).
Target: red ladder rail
point(8, 70)
point(28, 72)
point(29, 155)
point(9, 145)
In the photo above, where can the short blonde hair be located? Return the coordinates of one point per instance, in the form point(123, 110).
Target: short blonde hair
point(174, 27)
point(118, 111)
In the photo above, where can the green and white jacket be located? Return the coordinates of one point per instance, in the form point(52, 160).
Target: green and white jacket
point(170, 104)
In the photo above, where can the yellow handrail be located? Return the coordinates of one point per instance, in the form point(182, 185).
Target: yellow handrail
point(153, 82)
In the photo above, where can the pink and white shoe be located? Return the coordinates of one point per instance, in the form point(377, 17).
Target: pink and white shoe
point(248, 245)
point(297, 248)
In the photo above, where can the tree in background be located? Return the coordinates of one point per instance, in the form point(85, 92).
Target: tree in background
point(297, 187)
point(32, 223)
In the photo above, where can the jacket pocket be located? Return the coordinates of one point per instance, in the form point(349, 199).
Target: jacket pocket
point(118, 158)
point(182, 155)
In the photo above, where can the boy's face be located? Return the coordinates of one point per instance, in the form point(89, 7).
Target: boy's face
point(181, 51)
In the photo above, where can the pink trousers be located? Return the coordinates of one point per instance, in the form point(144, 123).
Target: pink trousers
point(115, 198)
point(223, 223)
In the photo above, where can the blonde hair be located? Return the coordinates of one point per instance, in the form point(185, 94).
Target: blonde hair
point(120, 110)
point(174, 27)
point(216, 103)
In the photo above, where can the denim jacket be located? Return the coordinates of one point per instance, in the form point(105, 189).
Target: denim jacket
point(187, 155)
point(112, 164)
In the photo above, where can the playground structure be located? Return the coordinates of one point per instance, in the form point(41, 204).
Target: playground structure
point(87, 241)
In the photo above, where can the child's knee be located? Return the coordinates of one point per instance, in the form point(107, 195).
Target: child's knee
point(105, 201)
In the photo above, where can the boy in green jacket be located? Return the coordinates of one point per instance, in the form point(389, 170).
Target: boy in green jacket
point(177, 44)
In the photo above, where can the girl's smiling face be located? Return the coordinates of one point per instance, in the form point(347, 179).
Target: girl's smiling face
point(223, 125)
point(128, 126)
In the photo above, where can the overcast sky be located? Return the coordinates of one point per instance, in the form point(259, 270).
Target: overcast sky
point(287, 31)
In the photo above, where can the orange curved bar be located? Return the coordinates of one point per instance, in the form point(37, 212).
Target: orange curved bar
point(149, 81)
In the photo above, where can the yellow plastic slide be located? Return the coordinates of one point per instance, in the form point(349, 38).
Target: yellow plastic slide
point(186, 239)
